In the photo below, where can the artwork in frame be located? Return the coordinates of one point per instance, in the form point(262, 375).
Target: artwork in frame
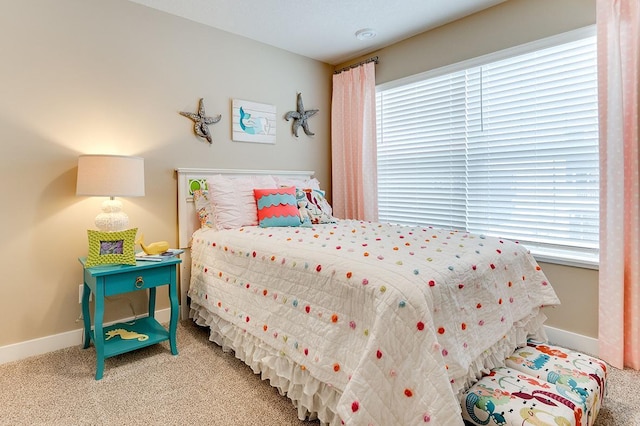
point(253, 122)
point(108, 248)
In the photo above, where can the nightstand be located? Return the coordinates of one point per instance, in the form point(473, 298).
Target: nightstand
point(119, 338)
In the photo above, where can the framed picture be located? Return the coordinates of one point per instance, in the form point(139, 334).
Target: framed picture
point(107, 248)
point(253, 122)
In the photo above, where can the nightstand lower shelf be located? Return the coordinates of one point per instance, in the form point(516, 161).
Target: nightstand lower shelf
point(124, 337)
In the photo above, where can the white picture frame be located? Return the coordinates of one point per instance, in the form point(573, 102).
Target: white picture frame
point(253, 122)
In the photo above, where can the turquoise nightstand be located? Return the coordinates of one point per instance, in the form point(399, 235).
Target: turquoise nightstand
point(119, 338)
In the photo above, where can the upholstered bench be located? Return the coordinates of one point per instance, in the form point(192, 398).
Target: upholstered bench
point(579, 377)
point(540, 384)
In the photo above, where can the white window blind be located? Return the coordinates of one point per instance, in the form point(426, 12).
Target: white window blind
point(507, 149)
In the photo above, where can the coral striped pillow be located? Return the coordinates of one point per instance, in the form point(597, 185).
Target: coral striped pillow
point(277, 207)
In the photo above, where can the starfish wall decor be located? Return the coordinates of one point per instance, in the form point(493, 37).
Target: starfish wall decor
point(300, 117)
point(201, 121)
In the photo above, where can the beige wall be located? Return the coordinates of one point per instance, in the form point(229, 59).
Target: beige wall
point(577, 289)
point(95, 76)
point(508, 24)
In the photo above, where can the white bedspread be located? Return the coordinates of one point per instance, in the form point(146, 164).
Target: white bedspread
point(398, 320)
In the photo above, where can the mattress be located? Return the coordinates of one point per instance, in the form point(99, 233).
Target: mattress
point(368, 323)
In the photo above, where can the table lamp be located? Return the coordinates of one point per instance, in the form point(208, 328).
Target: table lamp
point(110, 176)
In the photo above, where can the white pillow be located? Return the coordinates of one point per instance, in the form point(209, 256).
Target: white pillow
point(234, 204)
point(312, 183)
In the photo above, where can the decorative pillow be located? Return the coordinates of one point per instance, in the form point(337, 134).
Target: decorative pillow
point(317, 206)
point(233, 200)
point(204, 209)
point(277, 207)
point(312, 183)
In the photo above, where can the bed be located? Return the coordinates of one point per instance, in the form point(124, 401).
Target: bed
point(358, 322)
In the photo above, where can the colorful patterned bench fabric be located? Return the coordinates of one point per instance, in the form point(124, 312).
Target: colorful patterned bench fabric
point(541, 384)
point(578, 377)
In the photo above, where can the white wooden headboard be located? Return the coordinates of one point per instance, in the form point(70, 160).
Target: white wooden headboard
point(188, 221)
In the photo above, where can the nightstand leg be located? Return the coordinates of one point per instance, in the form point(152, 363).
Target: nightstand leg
point(86, 291)
point(173, 324)
point(152, 302)
point(98, 331)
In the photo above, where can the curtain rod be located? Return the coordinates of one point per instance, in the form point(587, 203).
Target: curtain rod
point(366, 61)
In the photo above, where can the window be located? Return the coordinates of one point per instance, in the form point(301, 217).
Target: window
point(506, 146)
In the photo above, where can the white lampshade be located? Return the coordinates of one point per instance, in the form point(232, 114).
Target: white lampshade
point(111, 176)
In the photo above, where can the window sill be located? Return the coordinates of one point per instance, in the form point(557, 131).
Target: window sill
point(559, 257)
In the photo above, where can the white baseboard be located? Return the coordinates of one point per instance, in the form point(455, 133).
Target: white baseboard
point(568, 339)
point(17, 351)
point(46, 344)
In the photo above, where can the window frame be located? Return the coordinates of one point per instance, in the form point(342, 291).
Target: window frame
point(541, 253)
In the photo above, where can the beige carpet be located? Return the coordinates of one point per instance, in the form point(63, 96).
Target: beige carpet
point(201, 386)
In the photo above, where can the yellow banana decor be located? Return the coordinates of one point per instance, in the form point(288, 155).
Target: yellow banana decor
point(153, 248)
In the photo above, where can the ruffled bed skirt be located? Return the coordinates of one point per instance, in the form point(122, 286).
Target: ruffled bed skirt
point(317, 400)
point(529, 328)
point(312, 398)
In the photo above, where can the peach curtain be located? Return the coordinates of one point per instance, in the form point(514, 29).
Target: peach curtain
point(353, 144)
point(618, 24)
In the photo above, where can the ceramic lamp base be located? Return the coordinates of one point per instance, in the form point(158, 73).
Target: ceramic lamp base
point(112, 217)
